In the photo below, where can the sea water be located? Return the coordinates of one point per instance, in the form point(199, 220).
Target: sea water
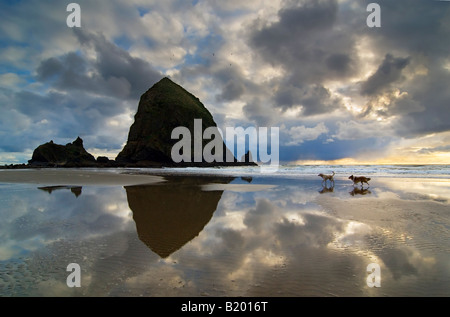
point(295, 171)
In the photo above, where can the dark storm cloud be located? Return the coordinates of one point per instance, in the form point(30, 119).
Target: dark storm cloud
point(339, 63)
point(419, 31)
point(114, 62)
point(306, 43)
point(69, 72)
point(295, 23)
point(232, 91)
point(422, 106)
point(314, 99)
point(433, 96)
point(387, 73)
point(255, 111)
point(233, 83)
point(114, 72)
point(414, 26)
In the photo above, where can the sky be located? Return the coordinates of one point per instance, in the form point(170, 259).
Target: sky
point(339, 91)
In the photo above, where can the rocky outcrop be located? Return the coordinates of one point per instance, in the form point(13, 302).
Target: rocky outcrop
point(164, 107)
point(56, 155)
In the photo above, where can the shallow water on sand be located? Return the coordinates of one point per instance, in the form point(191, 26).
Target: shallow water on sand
point(227, 236)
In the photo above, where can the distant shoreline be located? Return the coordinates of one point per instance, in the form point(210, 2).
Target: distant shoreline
point(127, 176)
point(113, 164)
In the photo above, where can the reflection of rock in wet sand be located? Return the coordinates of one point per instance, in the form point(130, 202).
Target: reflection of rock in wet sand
point(76, 190)
point(170, 214)
point(248, 179)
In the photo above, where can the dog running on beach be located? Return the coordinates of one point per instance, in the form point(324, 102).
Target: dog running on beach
point(326, 177)
point(359, 179)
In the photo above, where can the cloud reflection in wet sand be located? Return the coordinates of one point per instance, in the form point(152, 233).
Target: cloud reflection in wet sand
point(288, 240)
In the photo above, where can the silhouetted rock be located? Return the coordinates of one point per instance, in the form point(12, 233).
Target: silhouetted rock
point(247, 158)
point(56, 155)
point(103, 160)
point(164, 107)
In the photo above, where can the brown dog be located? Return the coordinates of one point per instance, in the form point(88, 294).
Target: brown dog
point(327, 177)
point(359, 179)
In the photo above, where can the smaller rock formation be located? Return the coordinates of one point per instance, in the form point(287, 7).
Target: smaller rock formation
point(56, 155)
point(103, 160)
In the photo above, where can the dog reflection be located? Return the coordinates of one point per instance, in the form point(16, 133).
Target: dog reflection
point(360, 191)
point(327, 189)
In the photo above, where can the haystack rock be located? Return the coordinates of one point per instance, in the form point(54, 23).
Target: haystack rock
point(164, 107)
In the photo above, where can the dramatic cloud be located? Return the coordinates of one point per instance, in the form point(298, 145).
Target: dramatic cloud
point(292, 64)
point(113, 72)
point(306, 43)
point(312, 100)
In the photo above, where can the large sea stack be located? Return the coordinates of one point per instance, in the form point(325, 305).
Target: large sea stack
point(164, 107)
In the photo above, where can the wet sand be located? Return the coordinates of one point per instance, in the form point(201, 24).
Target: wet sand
point(80, 177)
point(196, 236)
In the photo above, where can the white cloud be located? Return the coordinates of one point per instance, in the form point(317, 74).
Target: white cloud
point(301, 134)
point(10, 80)
point(14, 56)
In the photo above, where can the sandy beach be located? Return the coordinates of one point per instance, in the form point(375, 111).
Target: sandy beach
point(80, 177)
point(216, 235)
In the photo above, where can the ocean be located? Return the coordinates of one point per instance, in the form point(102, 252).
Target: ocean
point(295, 171)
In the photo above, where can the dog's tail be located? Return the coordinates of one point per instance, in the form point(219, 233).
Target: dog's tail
point(333, 173)
point(368, 179)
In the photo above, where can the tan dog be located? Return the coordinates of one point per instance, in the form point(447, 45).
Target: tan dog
point(327, 177)
point(359, 179)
